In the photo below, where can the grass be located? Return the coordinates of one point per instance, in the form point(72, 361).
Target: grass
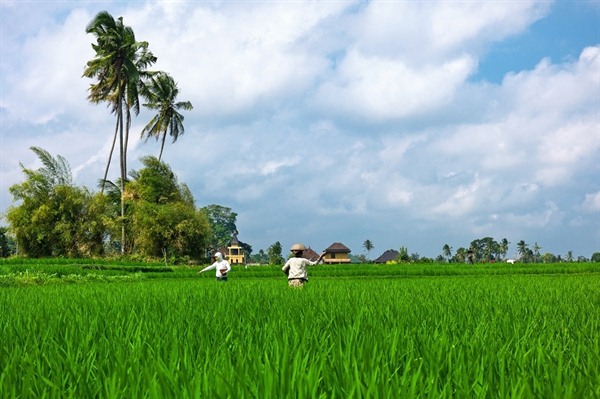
point(423, 334)
point(50, 271)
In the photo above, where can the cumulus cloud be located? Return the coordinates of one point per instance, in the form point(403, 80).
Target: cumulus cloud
point(434, 31)
point(379, 88)
point(44, 83)
point(591, 203)
point(240, 55)
point(329, 121)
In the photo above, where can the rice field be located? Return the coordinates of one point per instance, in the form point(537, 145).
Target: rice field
point(365, 333)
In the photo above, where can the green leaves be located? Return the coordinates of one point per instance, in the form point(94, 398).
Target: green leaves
point(165, 221)
point(56, 170)
point(222, 222)
point(475, 336)
point(478, 335)
point(54, 217)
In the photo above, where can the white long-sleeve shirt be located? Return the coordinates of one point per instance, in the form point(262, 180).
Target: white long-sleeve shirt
point(222, 266)
point(297, 268)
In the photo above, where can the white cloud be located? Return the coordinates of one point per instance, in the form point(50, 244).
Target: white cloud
point(435, 31)
point(573, 89)
point(46, 83)
point(591, 203)
point(549, 214)
point(241, 55)
point(328, 121)
point(546, 129)
point(379, 88)
point(273, 166)
point(462, 200)
point(456, 23)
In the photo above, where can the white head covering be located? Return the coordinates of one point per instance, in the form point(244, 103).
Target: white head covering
point(219, 256)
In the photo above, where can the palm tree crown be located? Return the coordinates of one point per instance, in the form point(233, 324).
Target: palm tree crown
point(161, 92)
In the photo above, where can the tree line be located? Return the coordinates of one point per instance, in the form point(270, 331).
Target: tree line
point(481, 250)
point(54, 217)
point(487, 249)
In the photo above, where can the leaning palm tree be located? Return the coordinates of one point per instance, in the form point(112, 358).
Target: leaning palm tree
point(161, 92)
point(118, 66)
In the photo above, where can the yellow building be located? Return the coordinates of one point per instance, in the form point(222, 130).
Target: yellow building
point(337, 253)
point(235, 253)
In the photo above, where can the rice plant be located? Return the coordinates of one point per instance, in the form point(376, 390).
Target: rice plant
point(475, 336)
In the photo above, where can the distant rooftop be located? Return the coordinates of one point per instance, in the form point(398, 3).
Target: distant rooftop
point(310, 254)
point(337, 247)
point(387, 256)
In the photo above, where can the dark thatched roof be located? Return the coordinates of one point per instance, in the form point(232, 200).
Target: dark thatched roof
point(387, 256)
point(310, 254)
point(337, 248)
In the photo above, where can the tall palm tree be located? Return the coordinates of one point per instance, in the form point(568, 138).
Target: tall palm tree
point(447, 249)
point(161, 92)
point(569, 257)
point(461, 255)
point(368, 245)
point(522, 249)
point(504, 247)
point(118, 66)
point(490, 247)
point(536, 252)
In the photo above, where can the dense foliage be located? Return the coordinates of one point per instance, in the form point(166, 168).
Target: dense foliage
point(56, 218)
point(7, 243)
point(164, 217)
point(274, 254)
point(222, 223)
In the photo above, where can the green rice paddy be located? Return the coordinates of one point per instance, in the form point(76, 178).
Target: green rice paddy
point(68, 330)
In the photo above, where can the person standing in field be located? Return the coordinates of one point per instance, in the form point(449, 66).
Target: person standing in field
point(221, 266)
point(295, 267)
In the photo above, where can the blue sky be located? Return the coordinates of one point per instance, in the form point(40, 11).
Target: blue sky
point(407, 123)
point(569, 27)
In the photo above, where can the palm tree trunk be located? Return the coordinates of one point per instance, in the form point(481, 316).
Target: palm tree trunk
point(126, 141)
point(112, 148)
point(122, 158)
point(162, 145)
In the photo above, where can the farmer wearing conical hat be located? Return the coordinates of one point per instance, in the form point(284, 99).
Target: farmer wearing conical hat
point(295, 267)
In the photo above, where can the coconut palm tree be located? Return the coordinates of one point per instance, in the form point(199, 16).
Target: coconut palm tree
point(447, 250)
point(161, 92)
point(523, 249)
point(461, 255)
point(368, 246)
point(119, 65)
point(490, 248)
point(569, 257)
point(536, 252)
point(504, 247)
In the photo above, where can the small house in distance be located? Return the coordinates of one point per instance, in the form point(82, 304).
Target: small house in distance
point(235, 254)
point(337, 253)
point(388, 256)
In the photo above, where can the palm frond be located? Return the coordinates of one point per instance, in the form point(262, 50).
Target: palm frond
point(57, 170)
